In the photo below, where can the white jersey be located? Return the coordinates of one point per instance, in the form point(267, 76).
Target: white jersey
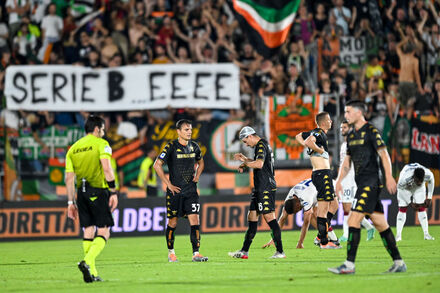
point(349, 179)
point(306, 192)
point(406, 180)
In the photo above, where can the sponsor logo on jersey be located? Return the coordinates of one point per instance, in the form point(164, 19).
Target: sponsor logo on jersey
point(186, 156)
point(162, 155)
point(84, 149)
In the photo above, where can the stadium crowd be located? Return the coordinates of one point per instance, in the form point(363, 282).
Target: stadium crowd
point(105, 33)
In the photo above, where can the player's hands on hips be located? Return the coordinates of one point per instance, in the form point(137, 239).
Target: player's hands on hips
point(72, 211)
point(239, 157)
point(391, 185)
point(427, 202)
point(338, 189)
point(173, 188)
point(268, 244)
point(299, 245)
point(113, 202)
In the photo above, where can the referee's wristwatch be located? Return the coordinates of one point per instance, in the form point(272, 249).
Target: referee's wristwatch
point(69, 202)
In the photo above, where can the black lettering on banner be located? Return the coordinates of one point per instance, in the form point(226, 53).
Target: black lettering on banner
point(56, 88)
point(211, 217)
point(11, 223)
point(22, 88)
point(218, 86)
point(345, 44)
point(359, 44)
point(223, 217)
point(3, 222)
point(35, 222)
point(200, 75)
point(74, 87)
point(58, 221)
point(115, 91)
point(85, 88)
point(22, 221)
point(46, 221)
point(174, 86)
point(234, 217)
point(153, 75)
point(34, 77)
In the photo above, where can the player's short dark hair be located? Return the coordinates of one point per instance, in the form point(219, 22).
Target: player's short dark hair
point(320, 117)
point(92, 122)
point(344, 121)
point(293, 205)
point(180, 123)
point(419, 174)
point(358, 104)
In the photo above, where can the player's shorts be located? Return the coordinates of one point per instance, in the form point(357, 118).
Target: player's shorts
point(182, 204)
point(93, 209)
point(367, 200)
point(406, 197)
point(348, 192)
point(322, 179)
point(263, 201)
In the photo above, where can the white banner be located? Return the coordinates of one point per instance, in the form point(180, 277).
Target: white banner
point(354, 51)
point(72, 88)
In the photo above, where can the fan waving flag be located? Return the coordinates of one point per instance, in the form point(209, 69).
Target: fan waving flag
point(266, 22)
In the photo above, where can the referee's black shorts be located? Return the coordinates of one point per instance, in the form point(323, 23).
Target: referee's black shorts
point(93, 208)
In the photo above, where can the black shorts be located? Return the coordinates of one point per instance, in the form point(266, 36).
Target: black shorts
point(367, 200)
point(93, 209)
point(182, 204)
point(322, 179)
point(263, 202)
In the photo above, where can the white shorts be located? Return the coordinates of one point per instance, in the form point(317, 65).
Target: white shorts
point(406, 197)
point(349, 191)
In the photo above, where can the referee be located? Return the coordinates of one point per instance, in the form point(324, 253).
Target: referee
point(89, 160)
point(185, 164)
point(368, 152)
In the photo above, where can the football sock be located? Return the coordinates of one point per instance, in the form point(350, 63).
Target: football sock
point(332, 236)
point(390, 243)
point(276, 234)
point(87, 242)
point(423, 219)
point(97, 246)
point(366, 224)
point(400, 222)
point(170, 237)
point(195, 237)
point(354, 237)
point(329, 218)
point(249, 236)
point(322, 230)
point(345, 226)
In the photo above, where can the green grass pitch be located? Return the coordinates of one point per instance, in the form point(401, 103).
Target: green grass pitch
point(139, 264)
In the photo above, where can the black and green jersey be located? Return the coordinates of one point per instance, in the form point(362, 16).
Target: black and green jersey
point(362, 146)
point(83, 158)
point(181, 161)
point(264, 178)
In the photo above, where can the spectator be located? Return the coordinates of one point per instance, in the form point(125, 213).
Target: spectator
point(320, 17)
point(333, 29)
point(342, 15)
point(85, 47)
point(147, 178)
point(375, 71)
point(409, 76)
point(425, 103)
point(160, 56)
point(295, 84)
point(437, 98)
point(24, 44)
point(431, 38)
point(182, 54)
point(4, 35)
point(16, 10)
point(142, 53)
point(51, 31)
point(108, 50)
